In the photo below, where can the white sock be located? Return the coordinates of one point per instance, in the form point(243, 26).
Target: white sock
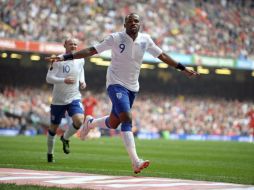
point(251, 138)
point(129, 143)
point(69, 132)
point(99, 122)
point(51, 143)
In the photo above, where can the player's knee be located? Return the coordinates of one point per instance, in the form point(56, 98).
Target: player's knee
point(52, 129)
point(78, 121)
point(112, 123)
point(126, 121)
point(112, 126)
point(125, 117)
point(51, 132)
point(77, 124)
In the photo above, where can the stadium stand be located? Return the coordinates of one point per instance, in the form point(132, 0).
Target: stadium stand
point(203, 27)
point(221, 28)
point(152, 113)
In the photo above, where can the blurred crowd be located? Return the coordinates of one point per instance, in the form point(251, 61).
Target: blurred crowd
point(24, 109)
point(151, 112)
point(207, 27)
point(186, 115)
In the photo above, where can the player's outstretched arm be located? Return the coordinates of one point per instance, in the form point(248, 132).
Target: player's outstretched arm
point(77, 55)
point(84, 53)
point(168, 60)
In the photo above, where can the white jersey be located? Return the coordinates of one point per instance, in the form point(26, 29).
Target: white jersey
point(127, 57)
point(65, 93)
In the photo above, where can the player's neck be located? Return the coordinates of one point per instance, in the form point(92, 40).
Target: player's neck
point(132, 35)
point(67, 52)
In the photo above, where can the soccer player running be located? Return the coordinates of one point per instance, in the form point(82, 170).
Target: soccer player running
point(128, 48)
point(67, 77)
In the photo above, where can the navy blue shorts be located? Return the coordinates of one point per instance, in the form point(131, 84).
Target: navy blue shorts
point(57, 112)
point(122, 99)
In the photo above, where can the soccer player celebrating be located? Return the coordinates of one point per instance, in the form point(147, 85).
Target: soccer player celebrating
point(128, 48)
point(67, 77)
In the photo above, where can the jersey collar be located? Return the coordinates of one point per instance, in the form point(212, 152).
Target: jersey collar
point(127, 35)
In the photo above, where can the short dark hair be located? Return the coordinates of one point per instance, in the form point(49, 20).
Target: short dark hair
point(127, 16)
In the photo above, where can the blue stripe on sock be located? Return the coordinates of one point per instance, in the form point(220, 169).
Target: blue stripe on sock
point(51, 133)
point(126, 126)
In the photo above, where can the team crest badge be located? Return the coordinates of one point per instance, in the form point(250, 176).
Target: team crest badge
point(119, 95)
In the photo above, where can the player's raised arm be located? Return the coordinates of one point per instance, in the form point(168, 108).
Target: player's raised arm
point(168, 60)
point(77, 55)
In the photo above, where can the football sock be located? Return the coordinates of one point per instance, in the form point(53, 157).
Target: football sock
point(69, 132)
point(99, 122)
point(129, 144)
point(126, 126)
point(51, 142)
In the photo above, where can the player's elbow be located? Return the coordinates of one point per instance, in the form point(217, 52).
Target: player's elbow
point(49, 80)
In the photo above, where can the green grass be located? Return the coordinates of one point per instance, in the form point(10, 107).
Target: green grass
point(231, 162)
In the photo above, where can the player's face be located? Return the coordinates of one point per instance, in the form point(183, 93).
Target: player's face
point(132, 24)
point(71, 45)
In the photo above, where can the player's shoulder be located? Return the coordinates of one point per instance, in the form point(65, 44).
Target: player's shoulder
point(144, 35)
point(109, 37)
point(116, 34)
point(58, 62)
point(81, 61)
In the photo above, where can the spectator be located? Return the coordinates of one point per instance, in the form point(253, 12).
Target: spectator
point(200, 27)
point(250, 114)
point(194, 115)
point(89, 102)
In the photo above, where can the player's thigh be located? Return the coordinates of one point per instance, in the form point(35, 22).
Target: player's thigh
point(120, 99)
point(76, 111)
point(57, 112)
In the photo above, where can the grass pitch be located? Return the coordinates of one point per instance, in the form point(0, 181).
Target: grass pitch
point(231, 162)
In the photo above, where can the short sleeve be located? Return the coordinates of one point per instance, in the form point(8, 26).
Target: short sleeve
point(153, 49)
point(106, 44)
